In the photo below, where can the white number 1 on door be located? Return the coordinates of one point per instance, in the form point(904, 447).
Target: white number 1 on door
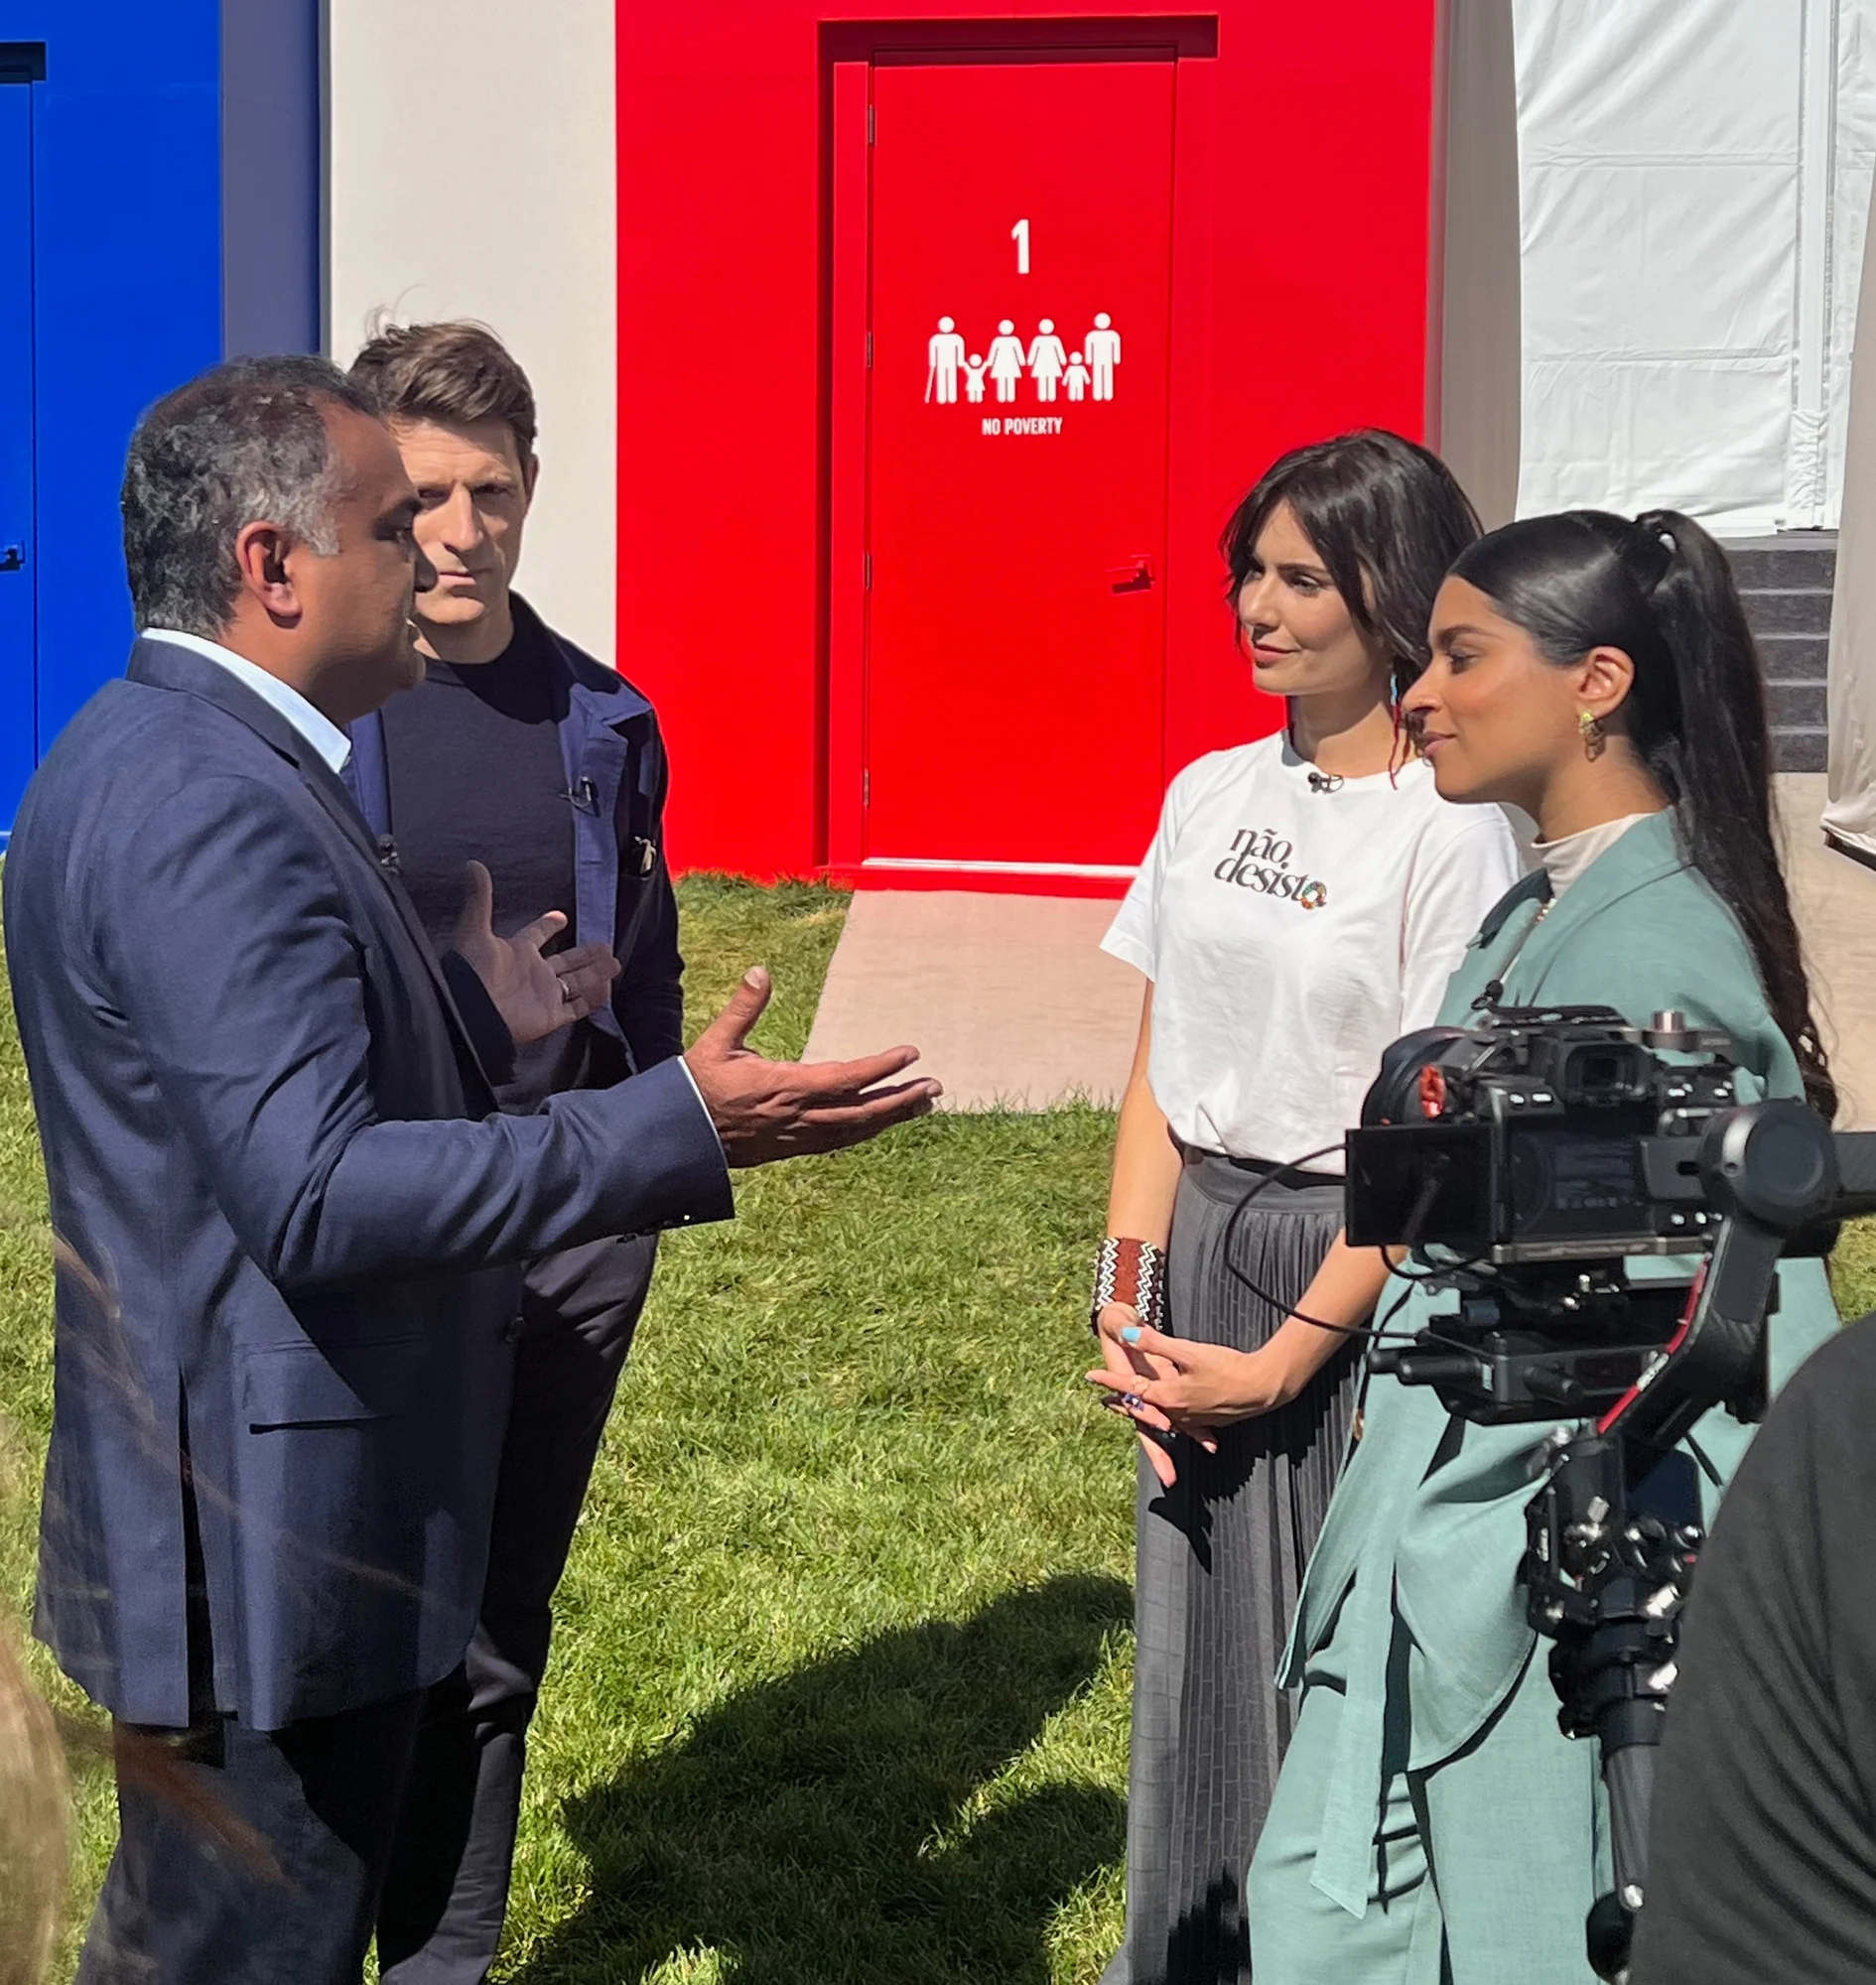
point(1020, 234)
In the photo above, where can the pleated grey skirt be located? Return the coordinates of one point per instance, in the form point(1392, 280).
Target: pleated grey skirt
point(1220, 1562)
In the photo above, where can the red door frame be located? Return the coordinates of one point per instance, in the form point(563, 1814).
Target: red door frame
point(1191, 597)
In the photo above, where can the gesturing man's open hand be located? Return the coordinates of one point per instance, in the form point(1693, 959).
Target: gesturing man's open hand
point(535, 996)
point(769, 1109)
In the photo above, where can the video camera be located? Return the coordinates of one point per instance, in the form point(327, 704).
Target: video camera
point(1607, 1219)
point(1539, 1155)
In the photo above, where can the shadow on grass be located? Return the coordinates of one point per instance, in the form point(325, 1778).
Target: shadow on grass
point(812, 1830)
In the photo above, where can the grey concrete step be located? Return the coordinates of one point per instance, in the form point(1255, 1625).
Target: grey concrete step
point(1799, 747)
point(1795, 657)
point(1793, 558)
point(1800, 704)
point(1786, 609)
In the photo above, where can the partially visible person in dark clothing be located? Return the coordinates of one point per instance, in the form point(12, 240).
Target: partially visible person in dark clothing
point(518, 749)
point(1762, 1853)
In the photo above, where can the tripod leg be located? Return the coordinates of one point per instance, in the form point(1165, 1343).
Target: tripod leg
point(1629, 1777)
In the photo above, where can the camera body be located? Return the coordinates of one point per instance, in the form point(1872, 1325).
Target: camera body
point(1548, 1134)
point(1531, 1158)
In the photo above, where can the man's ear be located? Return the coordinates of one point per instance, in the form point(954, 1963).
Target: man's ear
point(261, 552)
point(531, 475)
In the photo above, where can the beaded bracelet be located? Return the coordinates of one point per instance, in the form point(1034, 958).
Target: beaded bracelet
point(1128, 1272)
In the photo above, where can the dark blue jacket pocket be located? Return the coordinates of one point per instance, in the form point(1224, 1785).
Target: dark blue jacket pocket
point(313, 1384)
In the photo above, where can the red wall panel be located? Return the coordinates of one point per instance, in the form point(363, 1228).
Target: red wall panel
point(1300, 307)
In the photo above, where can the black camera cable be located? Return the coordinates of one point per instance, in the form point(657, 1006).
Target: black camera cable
point(1374, 1333)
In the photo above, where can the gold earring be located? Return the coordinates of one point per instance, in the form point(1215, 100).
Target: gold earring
point(1589, 728)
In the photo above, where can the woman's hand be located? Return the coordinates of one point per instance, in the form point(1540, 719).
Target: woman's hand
point(1192, 1388)
point(1128, 1368)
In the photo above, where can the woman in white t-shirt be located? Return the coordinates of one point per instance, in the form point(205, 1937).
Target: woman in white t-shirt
point(1303, 904)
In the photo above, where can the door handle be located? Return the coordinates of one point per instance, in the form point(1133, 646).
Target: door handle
point(1136, 575)
point(12, 558)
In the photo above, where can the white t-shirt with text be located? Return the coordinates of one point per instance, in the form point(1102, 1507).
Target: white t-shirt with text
point(1291, 933)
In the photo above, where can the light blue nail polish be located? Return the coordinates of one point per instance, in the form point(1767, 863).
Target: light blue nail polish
point(1131, 1333)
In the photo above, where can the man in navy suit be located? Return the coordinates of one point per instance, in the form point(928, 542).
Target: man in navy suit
point(292, 1221)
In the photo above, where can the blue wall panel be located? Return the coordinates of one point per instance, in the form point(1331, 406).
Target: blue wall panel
point(149, 261)
point(18, 547)
point(127, 289)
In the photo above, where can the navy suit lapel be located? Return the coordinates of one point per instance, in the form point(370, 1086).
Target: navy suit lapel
point(164, 666)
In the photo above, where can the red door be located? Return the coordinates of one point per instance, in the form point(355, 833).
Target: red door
point(1020, 262)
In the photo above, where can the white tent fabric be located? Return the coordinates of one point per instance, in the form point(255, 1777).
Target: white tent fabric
point(1853, 171)
point(1850, 814)
point(1676, 306)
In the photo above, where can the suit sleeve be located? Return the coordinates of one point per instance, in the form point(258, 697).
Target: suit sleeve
point(1659, 949)
point(226, 936)
point(648, 997)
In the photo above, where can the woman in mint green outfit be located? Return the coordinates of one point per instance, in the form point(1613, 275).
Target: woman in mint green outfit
point(1432, 1826)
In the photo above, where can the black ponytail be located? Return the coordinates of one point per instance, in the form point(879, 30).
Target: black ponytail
point(1662, 591)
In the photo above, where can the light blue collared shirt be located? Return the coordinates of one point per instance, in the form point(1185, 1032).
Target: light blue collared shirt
point(320, 732)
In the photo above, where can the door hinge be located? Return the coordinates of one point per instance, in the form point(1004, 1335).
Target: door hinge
point(866, 789)
point(870, 351)
point(865, 570)
point(870, 124)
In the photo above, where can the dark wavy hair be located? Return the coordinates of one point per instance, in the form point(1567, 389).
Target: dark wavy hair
point(455, 372)
point(1387, 518)
point(1662, 591)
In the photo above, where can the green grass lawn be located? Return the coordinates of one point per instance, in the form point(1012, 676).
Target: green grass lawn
point(839, 1691)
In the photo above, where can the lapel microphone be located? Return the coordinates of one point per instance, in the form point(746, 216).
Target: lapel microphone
point(1324, 782)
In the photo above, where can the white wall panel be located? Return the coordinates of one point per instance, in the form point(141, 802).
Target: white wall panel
point(471, 174)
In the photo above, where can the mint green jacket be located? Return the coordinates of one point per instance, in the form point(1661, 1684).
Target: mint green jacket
point(1428, 1520)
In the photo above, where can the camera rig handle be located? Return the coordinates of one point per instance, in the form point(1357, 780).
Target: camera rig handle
point(1771, 1171)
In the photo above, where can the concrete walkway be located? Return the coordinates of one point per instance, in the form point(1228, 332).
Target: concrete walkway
point(1010, 997)
point(1835, 901)
point(1015, 1004)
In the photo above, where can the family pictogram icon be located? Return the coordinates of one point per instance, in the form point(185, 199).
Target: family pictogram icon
point(1084, 374)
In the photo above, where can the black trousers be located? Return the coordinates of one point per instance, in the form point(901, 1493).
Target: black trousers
point(446, 1890)
point(245, 1857)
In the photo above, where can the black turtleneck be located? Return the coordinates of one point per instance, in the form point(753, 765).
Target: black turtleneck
point(473, 763)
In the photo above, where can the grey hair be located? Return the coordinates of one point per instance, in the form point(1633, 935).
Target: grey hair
point(243, 443)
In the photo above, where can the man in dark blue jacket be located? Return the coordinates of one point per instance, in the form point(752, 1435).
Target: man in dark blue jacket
point(292, 1222)
point(520, 748)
